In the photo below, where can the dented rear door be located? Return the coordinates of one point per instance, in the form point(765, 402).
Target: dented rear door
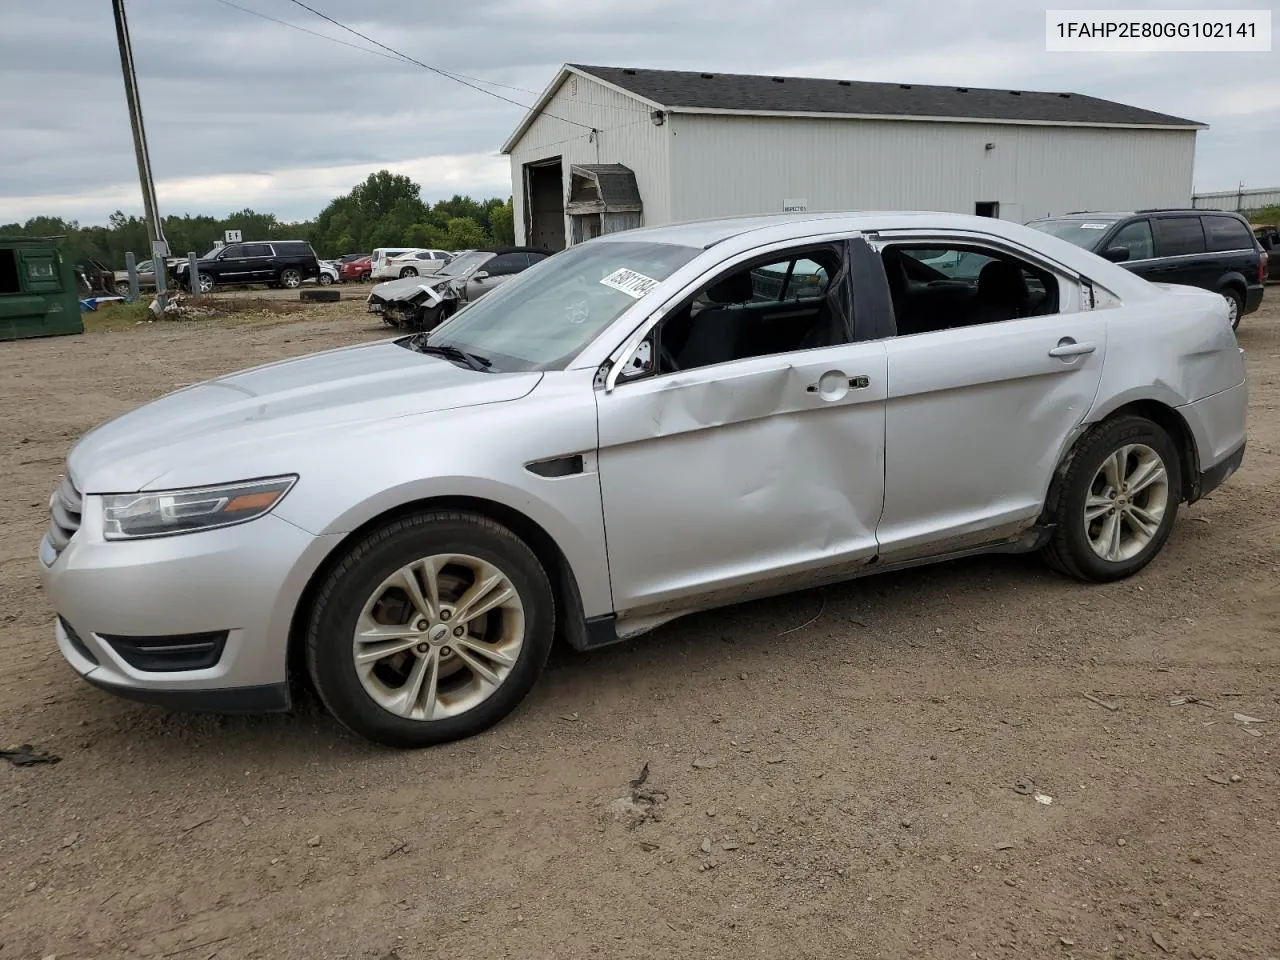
point(743, 477)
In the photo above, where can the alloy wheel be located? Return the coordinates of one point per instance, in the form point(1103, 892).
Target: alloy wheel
point(1233, 309)
point(206, 283)
point(438, 637)
point(1126, 502)
point(290, 278)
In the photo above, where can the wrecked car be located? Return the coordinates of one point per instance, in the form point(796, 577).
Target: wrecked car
point(654, 422)
point(415, 303)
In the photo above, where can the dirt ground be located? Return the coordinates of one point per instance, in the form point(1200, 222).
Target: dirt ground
point(839, 766)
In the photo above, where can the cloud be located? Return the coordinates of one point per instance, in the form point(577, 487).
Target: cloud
point(299, 188)
point(244, 112)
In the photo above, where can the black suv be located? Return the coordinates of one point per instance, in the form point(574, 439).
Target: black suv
point(1213, 249)
point(283, 263)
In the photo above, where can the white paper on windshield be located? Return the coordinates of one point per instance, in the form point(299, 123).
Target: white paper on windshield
point(1094, 226)
point(633, 284)
point(434, 297)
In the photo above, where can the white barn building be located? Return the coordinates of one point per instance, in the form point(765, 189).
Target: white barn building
point(607, 148)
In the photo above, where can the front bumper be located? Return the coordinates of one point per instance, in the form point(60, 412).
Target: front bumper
point(244, 581)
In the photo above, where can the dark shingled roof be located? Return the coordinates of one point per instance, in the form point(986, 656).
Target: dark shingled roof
point(754, 94)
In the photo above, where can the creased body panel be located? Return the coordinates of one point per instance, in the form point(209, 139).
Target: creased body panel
point(720, 477)
point(977, 420)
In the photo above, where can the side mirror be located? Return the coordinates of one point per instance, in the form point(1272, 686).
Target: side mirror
point(480, 275)
point(1116, 254)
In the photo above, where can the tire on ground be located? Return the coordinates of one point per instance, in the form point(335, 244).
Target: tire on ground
point(357, 574)
point(320, 295)
point(1233, 294)
point(1069, 551)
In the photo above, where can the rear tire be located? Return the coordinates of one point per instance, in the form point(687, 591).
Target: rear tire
point(1115, 505)
point(408, 272)
point(509, 640)
point(1235, 304)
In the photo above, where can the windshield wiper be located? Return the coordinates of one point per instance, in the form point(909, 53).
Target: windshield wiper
point(450, 352)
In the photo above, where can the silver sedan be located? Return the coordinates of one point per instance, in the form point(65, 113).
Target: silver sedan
point(651, 423)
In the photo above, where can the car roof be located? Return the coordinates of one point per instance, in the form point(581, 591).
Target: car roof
point(708, 233)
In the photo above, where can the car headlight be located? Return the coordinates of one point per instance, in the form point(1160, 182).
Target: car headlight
point(163, 513)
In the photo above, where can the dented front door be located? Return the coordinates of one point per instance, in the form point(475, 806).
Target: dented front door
point(742, 478)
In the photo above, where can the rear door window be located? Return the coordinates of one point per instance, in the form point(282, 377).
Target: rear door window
point(1136, 238)
point(1178, 236)
point(505, 264)
point(1226, 233)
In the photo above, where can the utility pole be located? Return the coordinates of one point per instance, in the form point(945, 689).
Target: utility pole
point(155, 229)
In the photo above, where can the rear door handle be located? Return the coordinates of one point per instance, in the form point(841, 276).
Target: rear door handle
point(1068, 347)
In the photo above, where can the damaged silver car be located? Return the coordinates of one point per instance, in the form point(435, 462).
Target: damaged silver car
point(650, 423)
point(414, 303)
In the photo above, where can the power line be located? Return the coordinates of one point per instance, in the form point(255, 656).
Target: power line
point(355, 46)
point(456, 78)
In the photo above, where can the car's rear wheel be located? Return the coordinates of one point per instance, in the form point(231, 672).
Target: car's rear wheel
point(432, 628)
point(290, 278)
point(1116, 502)
point(1235, 304)
point(408, 272)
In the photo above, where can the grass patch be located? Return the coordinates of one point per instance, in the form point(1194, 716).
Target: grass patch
point(1268, 216)
point(116, 316)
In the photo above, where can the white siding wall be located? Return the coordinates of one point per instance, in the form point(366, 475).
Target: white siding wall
point(627, 136)
point(723, 166)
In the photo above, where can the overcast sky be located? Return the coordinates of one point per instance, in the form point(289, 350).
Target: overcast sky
point(244, 112)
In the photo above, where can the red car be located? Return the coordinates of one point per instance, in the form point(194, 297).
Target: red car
point(358, 269)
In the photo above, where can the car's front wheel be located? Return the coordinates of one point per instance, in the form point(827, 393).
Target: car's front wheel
point(324, 279)
point(1116, 501)
point(432, 628)
point(290, 278)
point(122, 288)
point(206, 283)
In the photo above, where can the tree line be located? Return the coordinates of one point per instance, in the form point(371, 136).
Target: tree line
point(386, 210)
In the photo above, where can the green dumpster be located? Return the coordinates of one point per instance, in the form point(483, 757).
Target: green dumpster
point(38, 292)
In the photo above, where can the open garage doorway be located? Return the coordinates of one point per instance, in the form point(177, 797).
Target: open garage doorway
point(544, 201)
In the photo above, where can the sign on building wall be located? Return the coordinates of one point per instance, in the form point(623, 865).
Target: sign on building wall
point(795, 206)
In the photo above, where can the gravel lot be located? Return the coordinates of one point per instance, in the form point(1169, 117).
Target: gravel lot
point(838, 765)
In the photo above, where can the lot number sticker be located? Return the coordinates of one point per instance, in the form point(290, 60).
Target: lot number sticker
point(1093, 226)
point(633, 284)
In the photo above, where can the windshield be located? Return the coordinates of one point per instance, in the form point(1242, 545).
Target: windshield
point(546, 315)
point(466, 264)
point(1083, 233)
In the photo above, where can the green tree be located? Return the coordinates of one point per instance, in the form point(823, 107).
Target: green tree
point(502, 223)
point(463, 233)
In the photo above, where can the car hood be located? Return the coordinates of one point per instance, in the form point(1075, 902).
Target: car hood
point(398, 289)
point(246, 424)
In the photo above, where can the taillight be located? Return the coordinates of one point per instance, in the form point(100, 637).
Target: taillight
point(1263, 259)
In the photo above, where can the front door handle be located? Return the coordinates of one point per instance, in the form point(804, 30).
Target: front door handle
point(1068, 348)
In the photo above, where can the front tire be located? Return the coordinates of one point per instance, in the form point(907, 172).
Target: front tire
point(324, 280)
point(206, 283)
point(1116, 502)
point(430, 629)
